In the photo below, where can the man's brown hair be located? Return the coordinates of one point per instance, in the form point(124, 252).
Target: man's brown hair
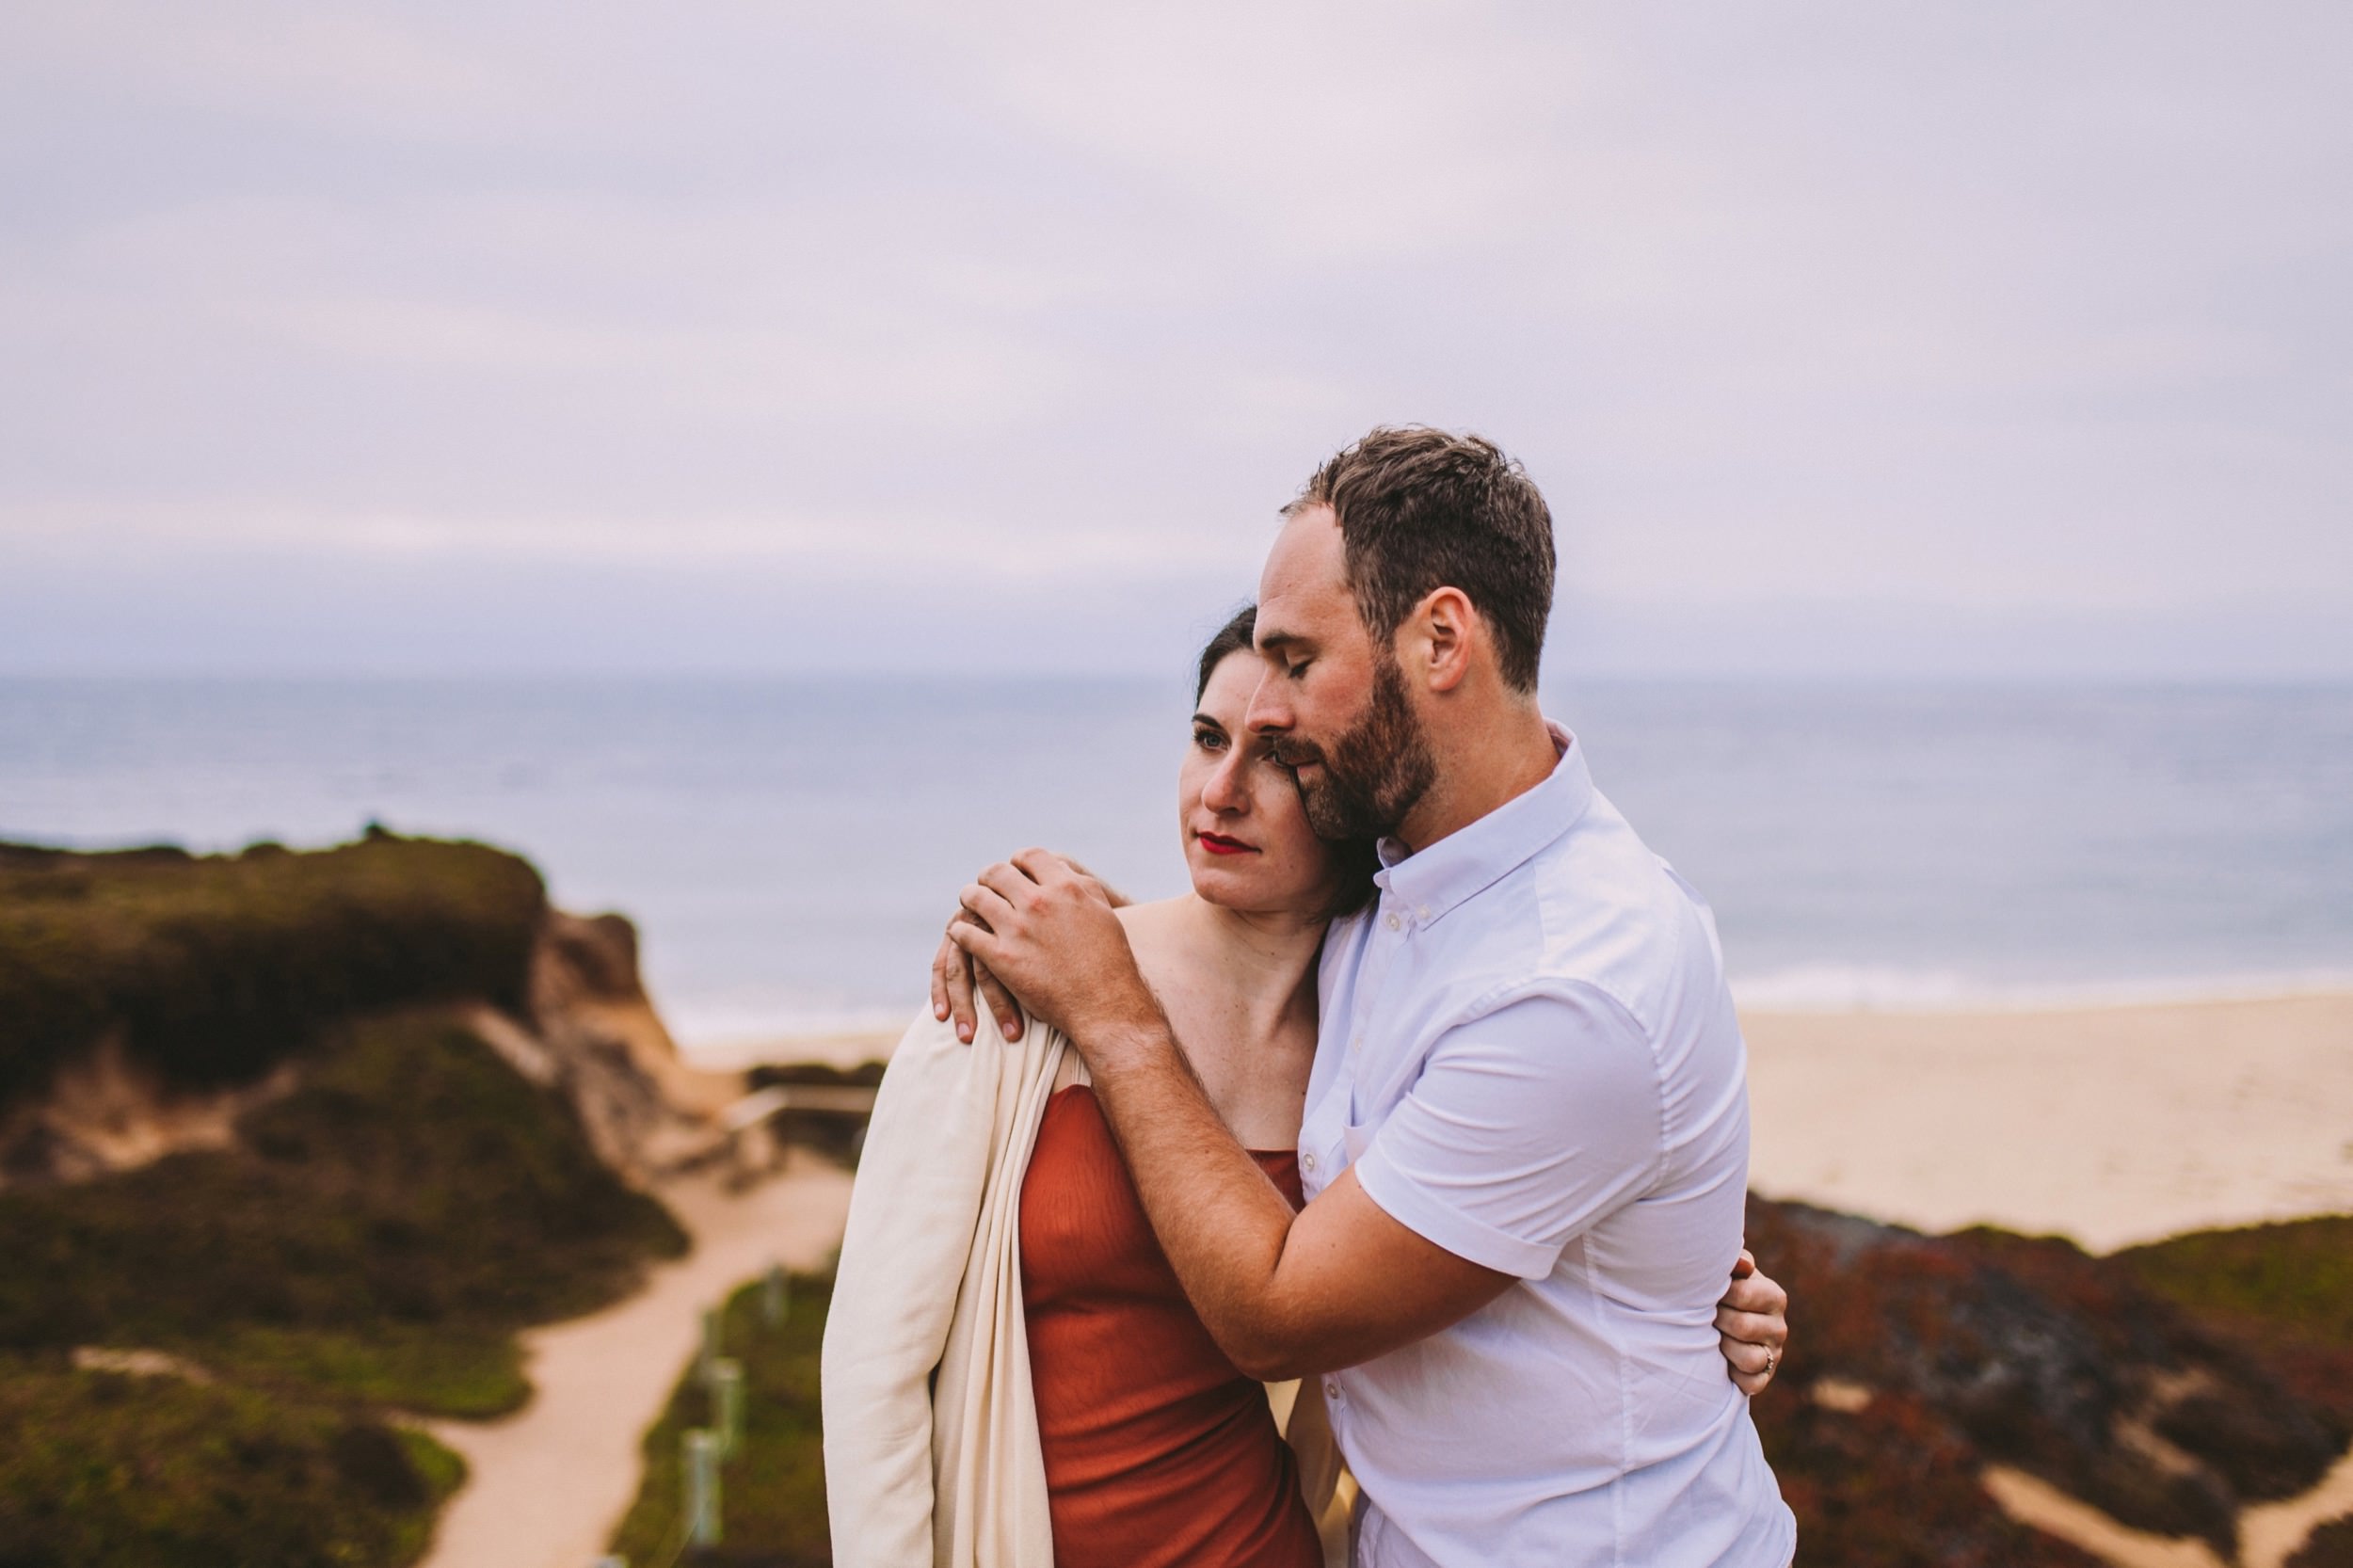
point(1420, 509)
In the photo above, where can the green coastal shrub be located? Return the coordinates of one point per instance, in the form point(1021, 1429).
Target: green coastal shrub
point(215, 967)
point(106, 1471)
point(384, 1230)
point(2285, 1291)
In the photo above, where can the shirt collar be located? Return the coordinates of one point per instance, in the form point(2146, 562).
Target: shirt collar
point(1475, 858)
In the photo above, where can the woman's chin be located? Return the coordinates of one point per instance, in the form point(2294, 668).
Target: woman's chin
point(1227, 887)
point(1246, 890)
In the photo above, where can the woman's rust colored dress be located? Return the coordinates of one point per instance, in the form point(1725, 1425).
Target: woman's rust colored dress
point(1158, 1453)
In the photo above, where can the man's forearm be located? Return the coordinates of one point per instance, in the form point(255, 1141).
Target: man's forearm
point(1221, 1221)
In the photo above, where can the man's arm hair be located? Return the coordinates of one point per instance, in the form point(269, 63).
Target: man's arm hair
point(1284, 1295)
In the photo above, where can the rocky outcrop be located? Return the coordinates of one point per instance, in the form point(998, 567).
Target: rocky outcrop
point(605, 1046)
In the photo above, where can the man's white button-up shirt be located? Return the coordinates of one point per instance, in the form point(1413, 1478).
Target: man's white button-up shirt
point(1529, 1056)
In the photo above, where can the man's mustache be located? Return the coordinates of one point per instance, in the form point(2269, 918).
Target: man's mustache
point(1294, 753)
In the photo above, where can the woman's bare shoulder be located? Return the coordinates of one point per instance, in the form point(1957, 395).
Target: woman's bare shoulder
point(1155, 931)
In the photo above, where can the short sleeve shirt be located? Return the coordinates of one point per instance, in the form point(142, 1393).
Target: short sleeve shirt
point(1530, 1056)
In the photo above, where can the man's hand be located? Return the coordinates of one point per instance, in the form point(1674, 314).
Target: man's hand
point(1753, 1325)
point(1044, 930)
point(957, 976)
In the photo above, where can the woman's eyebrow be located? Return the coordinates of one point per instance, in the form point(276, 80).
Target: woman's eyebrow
point(1203, 718)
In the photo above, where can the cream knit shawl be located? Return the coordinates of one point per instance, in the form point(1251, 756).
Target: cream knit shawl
point(932, 1453)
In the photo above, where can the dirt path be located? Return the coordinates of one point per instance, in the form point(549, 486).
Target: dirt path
point(547, 1485)
point(2269, 1533)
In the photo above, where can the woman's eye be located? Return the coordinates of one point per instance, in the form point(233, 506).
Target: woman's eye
point(1208, 740)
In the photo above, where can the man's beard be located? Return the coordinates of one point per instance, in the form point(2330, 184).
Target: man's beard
point(1375, 772)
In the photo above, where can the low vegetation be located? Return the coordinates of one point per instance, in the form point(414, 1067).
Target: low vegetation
point(212, 968)
point(2285, 1291)
point(2150, 1384)
point(158, 1472)
point(774, 1487)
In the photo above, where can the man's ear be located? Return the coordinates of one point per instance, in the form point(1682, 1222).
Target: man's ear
point(1447, 627)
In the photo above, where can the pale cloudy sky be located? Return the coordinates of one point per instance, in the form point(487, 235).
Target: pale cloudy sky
point(1955, 338)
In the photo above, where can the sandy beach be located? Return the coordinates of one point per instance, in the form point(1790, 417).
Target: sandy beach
point(2110, 1125)
point(546, 1485)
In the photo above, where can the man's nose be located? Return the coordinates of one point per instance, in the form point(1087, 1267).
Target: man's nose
point(1268, 713)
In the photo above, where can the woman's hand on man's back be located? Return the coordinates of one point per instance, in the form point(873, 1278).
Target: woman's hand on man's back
point(1753, 1325)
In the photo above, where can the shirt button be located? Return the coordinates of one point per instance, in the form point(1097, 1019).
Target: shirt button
point(1394, 923)
point(1330, 1388)
point(1306, 1161)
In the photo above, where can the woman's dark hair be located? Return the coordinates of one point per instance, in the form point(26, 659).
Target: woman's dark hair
point(1236, 636)
point(1355, 859)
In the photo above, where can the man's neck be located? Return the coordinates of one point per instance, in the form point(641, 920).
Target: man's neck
point(1484, 766)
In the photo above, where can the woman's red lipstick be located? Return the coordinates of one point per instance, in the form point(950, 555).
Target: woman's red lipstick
point(1217, 843)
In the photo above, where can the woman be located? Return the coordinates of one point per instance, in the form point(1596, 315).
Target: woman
point(1012, 1373)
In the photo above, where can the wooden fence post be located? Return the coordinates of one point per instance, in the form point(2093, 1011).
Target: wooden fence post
point(713, 1323)
point(701, 1468)
point(726, 1401)
point(776, 1300)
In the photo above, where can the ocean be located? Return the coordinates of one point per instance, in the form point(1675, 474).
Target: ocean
point(789, 849)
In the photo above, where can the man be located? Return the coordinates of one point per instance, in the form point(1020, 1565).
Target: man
point(1526, 1140)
